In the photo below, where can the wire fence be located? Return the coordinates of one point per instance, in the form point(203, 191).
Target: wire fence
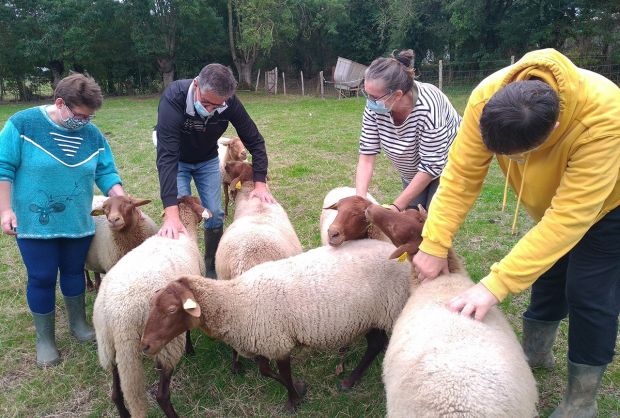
point(458, 77)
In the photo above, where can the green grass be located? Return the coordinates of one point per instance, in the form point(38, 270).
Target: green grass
point(312, 147)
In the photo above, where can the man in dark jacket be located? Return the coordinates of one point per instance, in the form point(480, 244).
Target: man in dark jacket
point(192, 115)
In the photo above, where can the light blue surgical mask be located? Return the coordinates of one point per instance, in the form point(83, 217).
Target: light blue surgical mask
point(201, 110)
point(377, 106)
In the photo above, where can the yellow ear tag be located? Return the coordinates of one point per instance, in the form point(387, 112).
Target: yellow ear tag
point(238, 185)
point(385, 205)
point(403, 257)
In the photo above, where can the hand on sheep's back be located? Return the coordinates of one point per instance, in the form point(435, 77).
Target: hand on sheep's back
point(262, 192)
point(475, 301)
point(429, 266)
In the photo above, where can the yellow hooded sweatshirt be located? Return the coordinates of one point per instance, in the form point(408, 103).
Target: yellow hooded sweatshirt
point(570, 182)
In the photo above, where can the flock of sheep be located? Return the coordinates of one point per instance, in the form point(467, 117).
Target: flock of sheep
point(272, 297)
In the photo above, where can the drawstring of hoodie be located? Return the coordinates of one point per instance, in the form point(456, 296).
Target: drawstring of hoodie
point(516, 215)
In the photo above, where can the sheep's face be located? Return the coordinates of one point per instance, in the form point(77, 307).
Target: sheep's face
point(350, 222)
point(173, 311)
point(402, 228)
point(236, 149)
point(120, 211)
point(240, 170)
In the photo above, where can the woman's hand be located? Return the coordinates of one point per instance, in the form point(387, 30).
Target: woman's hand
point(428, 266)
point(475, 301)
point(262, 192)
point(8, 222)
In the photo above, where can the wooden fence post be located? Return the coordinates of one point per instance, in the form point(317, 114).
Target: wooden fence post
point(321, 85)
point(283, 83)
point(302, 82)
point(257, 80)
point(440, 75)
point(276, 72)
point(512, 59)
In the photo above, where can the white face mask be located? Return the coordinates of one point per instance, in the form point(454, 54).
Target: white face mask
point(72, 122)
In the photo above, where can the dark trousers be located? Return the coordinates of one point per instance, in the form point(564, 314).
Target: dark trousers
point(585, 284)
point(44, 258)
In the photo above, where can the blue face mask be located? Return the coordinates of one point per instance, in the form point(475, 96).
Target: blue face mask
point(201, 110)
point(378, 107)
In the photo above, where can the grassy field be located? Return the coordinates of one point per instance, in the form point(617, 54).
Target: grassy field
point(312, 146)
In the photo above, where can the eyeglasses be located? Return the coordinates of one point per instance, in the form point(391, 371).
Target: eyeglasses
point(80, 116)
point(373, 99)
point(206, 103)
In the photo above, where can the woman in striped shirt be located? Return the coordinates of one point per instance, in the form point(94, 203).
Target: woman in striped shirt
point(414, 123)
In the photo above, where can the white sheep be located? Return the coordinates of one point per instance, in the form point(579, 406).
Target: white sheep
point(324, 298)
point(439, 363)
point(342, 218)
point(229, 149)
point(122, 305)
point(260, 231)
point(119, 228)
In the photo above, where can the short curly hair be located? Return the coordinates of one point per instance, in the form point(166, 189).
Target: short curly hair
point(519, 116)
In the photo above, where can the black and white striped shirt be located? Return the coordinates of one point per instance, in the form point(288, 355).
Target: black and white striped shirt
point(422, 142)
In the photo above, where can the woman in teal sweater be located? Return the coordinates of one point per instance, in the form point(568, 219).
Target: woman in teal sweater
point(50, 158)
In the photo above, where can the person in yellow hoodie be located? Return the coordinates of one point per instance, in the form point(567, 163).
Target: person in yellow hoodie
point(555, 130)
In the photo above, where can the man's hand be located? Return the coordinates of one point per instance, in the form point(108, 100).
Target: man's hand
point(172, 226)
point(428, 266)
point(262, 192)
point(475, 301)
point(8, 222)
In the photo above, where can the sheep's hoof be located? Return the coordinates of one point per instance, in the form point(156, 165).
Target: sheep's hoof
point(292, 404)
point(347, 384)
point(237, 369)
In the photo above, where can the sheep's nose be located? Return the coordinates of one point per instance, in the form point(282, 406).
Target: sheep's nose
point(114, 219)
point(145, 348)
point(243, 155)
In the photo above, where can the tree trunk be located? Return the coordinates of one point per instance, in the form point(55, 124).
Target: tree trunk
point(245, 74)
point(166, 68)
point(57, 68)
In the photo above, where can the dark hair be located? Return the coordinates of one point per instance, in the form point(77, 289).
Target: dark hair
point(519, 116)
point(79, 90)
point(396, 71)
point(217, 78)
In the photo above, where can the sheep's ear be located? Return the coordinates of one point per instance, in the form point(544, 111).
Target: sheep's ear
point(411, 248)
point(139, 202)
point(97, 212)
point(333, 206)
point(423, 212)
point(191, 307)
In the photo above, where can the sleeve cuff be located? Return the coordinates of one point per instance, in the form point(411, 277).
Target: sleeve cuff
point(261, 177)
point(495, 286)
point(433, 248)
point(105, 184)
point(169, 201)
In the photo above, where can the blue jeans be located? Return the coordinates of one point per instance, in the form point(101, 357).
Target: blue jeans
point(585, 284)
point(44, 258)
point(208, 181)
point(425, 197)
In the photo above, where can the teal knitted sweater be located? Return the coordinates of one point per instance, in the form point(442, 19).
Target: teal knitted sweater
point(53, 171)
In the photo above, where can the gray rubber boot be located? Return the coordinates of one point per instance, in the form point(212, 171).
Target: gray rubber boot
point(76, 315)
point(579, 400)
point(45, 326)
point(212, 240)
point(538, 339)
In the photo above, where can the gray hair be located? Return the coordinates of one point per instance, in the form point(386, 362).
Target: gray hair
point(396, 71)
point(218, 79)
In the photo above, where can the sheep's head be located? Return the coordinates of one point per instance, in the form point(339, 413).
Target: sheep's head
point(191, 210)
point(120, 211)
point(404, 229)
point(236, 149)
point(350, 222)
point(239, 172)
point(173, 311)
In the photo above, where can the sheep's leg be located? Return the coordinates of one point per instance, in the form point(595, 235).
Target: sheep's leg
point(117, 394)
point(89, 283)
point(377, 340)
point(226, 198)
point(265, 369)
point(296, 390)
point(189, 347)
point(97, 281)
point(236, 365)
point(163, 392)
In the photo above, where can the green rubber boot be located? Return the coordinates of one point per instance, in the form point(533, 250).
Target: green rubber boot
point(579, 400)
point(76, 315)
point(212, 240)
point(538, 339)
point(45, 326)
